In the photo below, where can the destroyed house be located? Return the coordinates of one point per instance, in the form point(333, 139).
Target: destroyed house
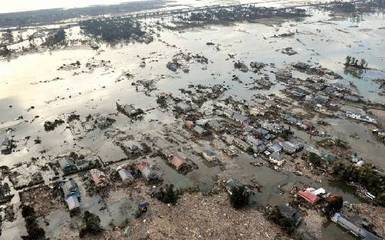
point(71, 194)
point(177, 162)
point(241, 144)
point(276, 158)
point(273, 127)
point(70, 188)
point(239, 118)
point(98, 177)
point(215, 125)
point(296, 93)
point(256, 145)
point(291, 120)
point(228, 113)
point(290, 147)
point(357, 231)
point(209, 155)
point(132, 148)
point(125, 174)
point(182, 107)
point(227, 138)
point(68, 166)
point(147, 172)
point(261, 132)
point(309, 197)
point(274, 148)
point(129, 110)
point(200, 131)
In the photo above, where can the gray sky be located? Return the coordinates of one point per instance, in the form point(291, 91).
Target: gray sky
point(25, 5)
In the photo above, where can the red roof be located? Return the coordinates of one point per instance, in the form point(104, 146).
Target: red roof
point(177, 162)
point(309, 197)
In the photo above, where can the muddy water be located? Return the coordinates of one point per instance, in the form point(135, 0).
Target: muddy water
point(318, 39)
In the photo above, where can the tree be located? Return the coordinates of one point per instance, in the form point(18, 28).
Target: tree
point(33, 229)
point(166, 194)
point(363, 63)
point(347, 60)
point(91, 224)
point(239, 196)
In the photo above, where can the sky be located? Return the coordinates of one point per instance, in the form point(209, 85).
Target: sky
point(26, 5)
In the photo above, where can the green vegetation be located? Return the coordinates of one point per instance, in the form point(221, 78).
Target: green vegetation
point(275, 215)
point(113, 30)
point(58, 38)
point(31, 223)
point(239, 196)
point(166, 194)
point(4, 51)
point(315, 159)
point(91, 225)
point(353, 62)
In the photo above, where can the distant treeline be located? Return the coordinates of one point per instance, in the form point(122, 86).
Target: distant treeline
point(113, 30)
point(28, 18)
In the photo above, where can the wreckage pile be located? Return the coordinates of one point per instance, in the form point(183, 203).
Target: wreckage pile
point(182, 60)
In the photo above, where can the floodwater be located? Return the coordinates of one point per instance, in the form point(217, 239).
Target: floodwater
point(33, 80)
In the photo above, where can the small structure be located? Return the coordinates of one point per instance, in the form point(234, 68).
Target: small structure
point(209, 155)
point(177, 162)
point(290, 147)
point(353, 228)
point(276, 158)
point(182, 107)
point(274, 148)
point(125, 174)
point(99, 178)
point(129, 110)
point(200, 131)
point(133, 148)
point(309, 197)
point(256, 145)
point(231, 151)
point(68, 166)
point(241, 144)
point(71, 194)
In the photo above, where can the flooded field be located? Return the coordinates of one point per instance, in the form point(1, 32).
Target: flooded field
point(205, 93)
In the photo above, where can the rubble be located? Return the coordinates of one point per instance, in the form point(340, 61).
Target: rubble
point(289, 51)
point(182, 61)
point(130, 111)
